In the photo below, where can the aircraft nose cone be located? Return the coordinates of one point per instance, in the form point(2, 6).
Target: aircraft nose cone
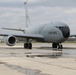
point(65, 31)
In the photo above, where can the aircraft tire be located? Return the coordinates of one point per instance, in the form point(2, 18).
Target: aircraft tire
point(60, 47)
point(54, 45)
point(27, 45)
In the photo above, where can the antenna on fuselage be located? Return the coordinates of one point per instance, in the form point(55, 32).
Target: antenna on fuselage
point(27, 20)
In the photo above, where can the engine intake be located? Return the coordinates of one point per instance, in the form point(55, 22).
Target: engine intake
point(10, 40)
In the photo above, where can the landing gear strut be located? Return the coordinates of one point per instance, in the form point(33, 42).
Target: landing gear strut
point(57, 45)
point(28, 45)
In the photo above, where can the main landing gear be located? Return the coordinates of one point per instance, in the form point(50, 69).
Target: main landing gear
point(57, 45)
point(28, 45)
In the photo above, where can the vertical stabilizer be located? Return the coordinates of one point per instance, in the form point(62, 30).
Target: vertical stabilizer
point(27, 20)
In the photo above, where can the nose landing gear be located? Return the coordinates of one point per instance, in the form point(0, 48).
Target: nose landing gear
point(57, 45)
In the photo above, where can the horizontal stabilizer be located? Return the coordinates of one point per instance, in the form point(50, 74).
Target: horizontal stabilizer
point(15, 29)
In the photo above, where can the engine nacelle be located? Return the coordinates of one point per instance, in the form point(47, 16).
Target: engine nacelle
point(10, 40)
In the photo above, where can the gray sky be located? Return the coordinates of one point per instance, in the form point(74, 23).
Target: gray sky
point(12, 12)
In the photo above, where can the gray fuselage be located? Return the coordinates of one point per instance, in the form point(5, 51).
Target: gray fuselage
point(57, 32)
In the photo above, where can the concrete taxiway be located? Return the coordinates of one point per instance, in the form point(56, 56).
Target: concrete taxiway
point(41, 60)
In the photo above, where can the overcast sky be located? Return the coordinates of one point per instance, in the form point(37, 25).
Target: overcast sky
point(12, 12)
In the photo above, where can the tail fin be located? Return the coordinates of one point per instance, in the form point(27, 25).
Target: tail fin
point(27, 20)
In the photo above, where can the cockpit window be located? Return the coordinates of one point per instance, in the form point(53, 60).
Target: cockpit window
point(61, 27)
point(65, 30)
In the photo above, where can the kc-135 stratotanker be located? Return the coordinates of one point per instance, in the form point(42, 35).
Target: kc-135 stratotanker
point(54, 33)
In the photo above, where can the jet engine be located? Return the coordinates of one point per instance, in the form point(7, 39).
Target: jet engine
point(10, 40)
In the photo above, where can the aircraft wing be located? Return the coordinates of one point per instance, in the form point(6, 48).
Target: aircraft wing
point(29, 36)
point(72, 35)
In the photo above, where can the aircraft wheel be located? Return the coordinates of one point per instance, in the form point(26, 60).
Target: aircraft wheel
point(54, 45)
point(60, 47)
point(57, 45)
point(27, 45)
